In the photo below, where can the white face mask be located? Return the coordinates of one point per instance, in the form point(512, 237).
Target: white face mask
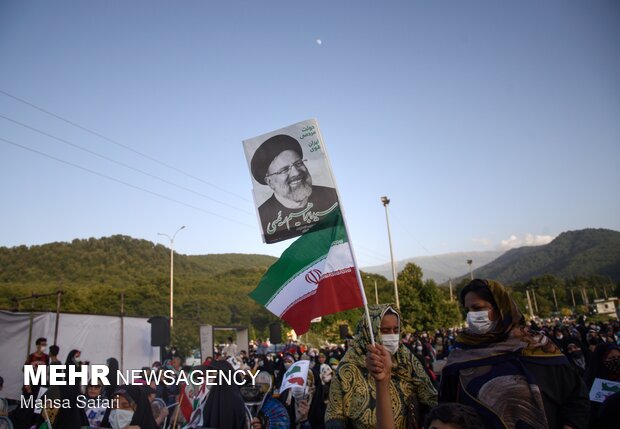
point(120, 419)
point(390, 342)
point(326, 373)
point(479, 322)
point(299, 392)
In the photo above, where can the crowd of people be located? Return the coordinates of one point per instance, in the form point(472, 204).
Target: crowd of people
point(499, 372)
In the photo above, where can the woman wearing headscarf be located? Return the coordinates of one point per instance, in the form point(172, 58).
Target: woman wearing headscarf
point(305, 405)
point(73, 358)
point(605, 364)
point(573, 349)
point(132, 408)
point(282, 366)
point(225, 408)
point(113, 368)
point(511, 375)
point(352, 395)
point(94, 409)
point(73, 416)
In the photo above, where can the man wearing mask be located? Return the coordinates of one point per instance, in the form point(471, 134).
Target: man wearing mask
point(39, 357)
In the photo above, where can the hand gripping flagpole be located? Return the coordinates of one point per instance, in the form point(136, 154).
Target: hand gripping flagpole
point(346, 228)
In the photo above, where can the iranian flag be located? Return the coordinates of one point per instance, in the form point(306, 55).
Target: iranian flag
point(314, 277)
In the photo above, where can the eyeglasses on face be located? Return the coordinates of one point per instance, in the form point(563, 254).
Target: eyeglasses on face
point(285, 170)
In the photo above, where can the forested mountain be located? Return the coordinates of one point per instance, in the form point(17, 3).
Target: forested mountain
point(571, 254)
point(92, 273)
point(213, 289)
point(113, 260)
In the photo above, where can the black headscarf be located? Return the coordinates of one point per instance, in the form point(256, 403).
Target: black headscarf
point(268, 365)
point(71, 358)
point(113, 366)
point(609, 414)
point(316, 414)
point(143, 414)
point(579, 363)
point(74, 416)
point(224, 408)
point(596, 368)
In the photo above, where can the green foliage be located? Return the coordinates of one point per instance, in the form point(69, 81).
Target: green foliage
point(213, 289)
point(423, 305)
point(93, 273)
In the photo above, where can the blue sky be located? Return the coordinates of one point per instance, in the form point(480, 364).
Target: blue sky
point(487, 123)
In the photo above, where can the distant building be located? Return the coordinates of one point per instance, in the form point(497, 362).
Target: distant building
point(605, 307)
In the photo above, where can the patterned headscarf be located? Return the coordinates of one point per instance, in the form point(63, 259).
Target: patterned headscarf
point(489, 367)
point(509, 317)
point(361, 339)
point(510, 333)
point(352, 392)
point(357, 353)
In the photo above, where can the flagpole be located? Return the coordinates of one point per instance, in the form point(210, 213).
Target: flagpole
point(178, 410)
point(346, 228)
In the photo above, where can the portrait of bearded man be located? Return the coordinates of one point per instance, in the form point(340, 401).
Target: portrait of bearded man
point(295, 205)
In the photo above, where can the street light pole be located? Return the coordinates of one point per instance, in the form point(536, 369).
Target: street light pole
point(376, 293)
point(172, 270)
point(471, 273)
point(385, 200)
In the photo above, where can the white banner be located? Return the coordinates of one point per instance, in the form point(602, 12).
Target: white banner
point(97, 337)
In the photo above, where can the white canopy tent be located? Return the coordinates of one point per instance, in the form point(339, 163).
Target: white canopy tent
point(97, 337)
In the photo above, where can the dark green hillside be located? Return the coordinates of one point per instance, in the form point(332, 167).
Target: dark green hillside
point(574, 253)
point(213, 289)
point(113, 260)
point(221, 263)
point(92, 273)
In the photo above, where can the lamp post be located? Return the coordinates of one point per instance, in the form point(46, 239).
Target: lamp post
point(376, 293)
point(385, 200)
point(171, 269)
point(471, 273)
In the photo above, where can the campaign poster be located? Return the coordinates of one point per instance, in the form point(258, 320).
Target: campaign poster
point(293, 184)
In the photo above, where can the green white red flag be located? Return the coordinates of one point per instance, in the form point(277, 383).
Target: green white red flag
point(296, 376)
point(315, 276)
